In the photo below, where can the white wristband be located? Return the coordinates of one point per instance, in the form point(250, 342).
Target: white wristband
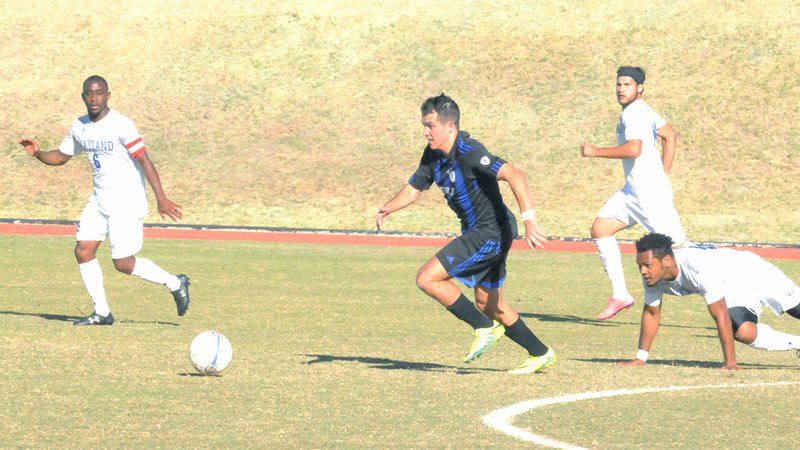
point(642, 354)
point(528, 215)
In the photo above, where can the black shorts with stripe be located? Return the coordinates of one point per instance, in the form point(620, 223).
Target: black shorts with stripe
point(478, 257)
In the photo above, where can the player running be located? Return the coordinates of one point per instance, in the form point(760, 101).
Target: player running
point(735, 285)
point(646, 197)
point(118, 205)
point(468, 176)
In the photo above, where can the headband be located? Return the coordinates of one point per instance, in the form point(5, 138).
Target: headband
point(636, 74)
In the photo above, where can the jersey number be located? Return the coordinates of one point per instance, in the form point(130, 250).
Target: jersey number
point(96, 160)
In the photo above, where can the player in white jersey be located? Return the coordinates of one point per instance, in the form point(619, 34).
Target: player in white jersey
point(646, 197)
point(735, 285)
point(118, 204)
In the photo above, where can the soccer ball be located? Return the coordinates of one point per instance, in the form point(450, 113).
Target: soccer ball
point(210, 352)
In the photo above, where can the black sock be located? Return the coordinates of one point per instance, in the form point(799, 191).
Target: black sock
point(794, 312)
point(522, 335)
point(468, 312)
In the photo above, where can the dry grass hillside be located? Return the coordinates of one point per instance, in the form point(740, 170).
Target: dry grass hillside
point(305, 113)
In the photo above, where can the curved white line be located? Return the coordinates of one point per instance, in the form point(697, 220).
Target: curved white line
point(501, 418)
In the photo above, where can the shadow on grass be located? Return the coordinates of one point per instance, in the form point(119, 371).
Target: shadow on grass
point(597, 323)
point(64, 318)
point(393, 364)
point(198, 374)
point(693, 363)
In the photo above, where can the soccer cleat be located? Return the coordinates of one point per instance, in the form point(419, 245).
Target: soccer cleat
point(484, 338)
point(535, 364)
point(95, 319)
point(615, 306)
point(181, 295)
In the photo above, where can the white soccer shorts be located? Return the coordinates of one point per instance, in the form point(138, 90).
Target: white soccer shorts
point(764, 284)
point(125, 234)
point(658, 217)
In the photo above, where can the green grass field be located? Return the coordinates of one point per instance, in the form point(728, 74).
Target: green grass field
point(334, 347)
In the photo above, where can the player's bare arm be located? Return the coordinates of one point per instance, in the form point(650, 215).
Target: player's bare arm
point(630, 149)
point(51, 158)
point(669, 138)
point(519, 185)
point(166, 207)
point(651, 318)
point(719, 312)
point(405, 197)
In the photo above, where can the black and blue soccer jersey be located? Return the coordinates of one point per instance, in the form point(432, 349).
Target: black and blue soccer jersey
point(467, 177)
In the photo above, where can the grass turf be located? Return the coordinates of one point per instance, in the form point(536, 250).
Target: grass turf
point(335, 347)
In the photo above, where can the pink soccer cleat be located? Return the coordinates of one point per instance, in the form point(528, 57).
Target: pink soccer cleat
point(615, 306)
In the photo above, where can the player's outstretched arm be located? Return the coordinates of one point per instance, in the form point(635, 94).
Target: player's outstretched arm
point(630, 149)
point(651, 318)
point(408, 195)
point(51, 158)
point(519, 185)
point(166, 207)
point(719, 311)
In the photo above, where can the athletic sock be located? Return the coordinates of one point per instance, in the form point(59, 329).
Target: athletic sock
point(149, 271)
point(522, 335)
point(466, 311)
point(771, 340)
point(611, 257)
point(92, 276)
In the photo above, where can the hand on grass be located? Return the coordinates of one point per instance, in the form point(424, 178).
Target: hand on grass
point(30, 145)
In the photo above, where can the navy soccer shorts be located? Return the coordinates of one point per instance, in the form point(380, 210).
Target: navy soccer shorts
point(477, 257)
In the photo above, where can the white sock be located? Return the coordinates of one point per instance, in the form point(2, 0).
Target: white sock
point(772, 340)
point(148, 270)
point(611, 257)
point(92, 277)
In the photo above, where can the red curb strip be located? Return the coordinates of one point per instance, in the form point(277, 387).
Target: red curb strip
point(348, 239)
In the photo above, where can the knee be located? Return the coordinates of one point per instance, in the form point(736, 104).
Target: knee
point(423, 280)
point(746, 333)
point(83, 254)
point(125, 265)
point(598, 230)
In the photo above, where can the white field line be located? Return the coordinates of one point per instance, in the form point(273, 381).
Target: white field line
point(501, 418)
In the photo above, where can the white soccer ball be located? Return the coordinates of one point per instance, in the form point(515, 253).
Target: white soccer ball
point(210, 352)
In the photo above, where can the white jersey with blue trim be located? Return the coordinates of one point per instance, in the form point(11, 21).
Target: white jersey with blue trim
point(111, 146)
point(714, 273)
point(644, 175)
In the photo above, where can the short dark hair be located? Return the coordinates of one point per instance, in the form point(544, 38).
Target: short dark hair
point(445, 108)
point(659, 244)
point(96, 79)
point(635, 72)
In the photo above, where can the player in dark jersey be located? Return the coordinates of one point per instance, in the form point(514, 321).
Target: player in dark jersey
point(468, 176)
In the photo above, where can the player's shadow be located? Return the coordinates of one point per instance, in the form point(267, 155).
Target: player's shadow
point(65, 318)
point(571, 318)
point(393, 364)
point(693, 363)
point(594, 322)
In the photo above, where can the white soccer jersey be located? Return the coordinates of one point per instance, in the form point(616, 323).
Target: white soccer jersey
point(111, 145)
point(644, 175)
point(741, 277)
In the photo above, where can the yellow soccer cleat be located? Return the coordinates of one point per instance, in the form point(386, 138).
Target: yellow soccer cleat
point(484, 338)
point(535, 363)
